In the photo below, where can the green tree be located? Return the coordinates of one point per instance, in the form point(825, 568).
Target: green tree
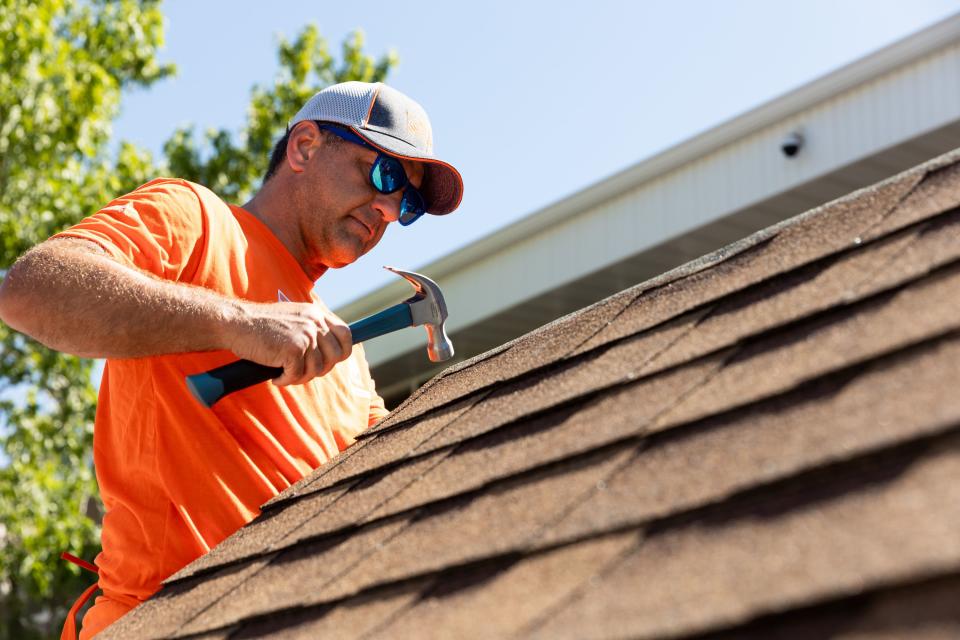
point(233, 168)
point(63, 67)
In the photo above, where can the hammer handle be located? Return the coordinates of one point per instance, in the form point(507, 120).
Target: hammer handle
point(210, 386)
point(389, 320)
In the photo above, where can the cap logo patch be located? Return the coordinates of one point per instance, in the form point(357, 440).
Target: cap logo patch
point(419, 129)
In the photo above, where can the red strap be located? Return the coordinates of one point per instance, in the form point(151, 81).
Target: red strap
point(80, 563)
point(70, 624)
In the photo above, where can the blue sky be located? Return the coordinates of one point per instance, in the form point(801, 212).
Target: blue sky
point(531, 101)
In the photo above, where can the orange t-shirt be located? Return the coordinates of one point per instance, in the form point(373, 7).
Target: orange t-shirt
point(176, 478)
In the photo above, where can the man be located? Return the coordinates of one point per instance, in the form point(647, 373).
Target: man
point(169, 281)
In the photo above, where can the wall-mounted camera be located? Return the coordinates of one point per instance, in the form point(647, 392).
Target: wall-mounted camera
point(792, 144)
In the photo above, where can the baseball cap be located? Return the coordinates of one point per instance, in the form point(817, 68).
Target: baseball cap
point(395, 124)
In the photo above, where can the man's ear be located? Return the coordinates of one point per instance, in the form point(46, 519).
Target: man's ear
point(304, 139)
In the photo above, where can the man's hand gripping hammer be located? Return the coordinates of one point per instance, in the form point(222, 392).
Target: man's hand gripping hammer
point(425, 308)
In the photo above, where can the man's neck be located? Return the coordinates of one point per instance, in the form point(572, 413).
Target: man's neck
point(266, 207)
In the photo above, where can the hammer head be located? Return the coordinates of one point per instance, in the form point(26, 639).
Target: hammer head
point(427, 308)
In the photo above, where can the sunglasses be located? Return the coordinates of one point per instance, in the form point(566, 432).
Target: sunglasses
point(387, 176)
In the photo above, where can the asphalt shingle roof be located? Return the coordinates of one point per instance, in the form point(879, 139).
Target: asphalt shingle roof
point(762, 443)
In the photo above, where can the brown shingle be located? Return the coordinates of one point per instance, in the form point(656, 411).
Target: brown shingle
point(821, 286)
point(456, 423)
point(258, 536)
point(405, 549)
point(295, 578)
point(775, 363)
point(598, 370)
point(365, 500)
point(352, 621)
point(838, 417)
point(332, 466)
point(553, 437)
point(450, 472)
point(939, 191)
point(707, 576)
point(925, 610)
point(162, 615)
point(502, 605)
point(389, 447)
point(529, 352)
point(502, 520)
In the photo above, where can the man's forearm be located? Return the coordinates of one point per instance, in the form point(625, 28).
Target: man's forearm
point(72, 297)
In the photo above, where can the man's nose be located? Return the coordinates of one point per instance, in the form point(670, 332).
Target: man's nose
point(387, 205)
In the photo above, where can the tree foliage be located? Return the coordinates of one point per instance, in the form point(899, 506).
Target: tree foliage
point(63, 67)
point(233, 167)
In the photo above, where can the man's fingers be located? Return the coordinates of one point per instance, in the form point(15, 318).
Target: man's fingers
point(315, 364)
point(296, 363)
point(339, 334)
point(332, 353)
point(334, 341)
point(344, 337)
point(293, 371)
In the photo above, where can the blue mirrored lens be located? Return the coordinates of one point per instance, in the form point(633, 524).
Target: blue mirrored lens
point(411, 206)
point(387, 174)
point(409, 219)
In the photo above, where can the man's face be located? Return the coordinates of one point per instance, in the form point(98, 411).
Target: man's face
point(342, 215)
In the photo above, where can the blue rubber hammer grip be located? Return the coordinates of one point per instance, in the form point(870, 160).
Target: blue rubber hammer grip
point(212, 385)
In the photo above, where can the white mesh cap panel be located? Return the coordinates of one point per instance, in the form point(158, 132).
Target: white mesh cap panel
point(346, 103)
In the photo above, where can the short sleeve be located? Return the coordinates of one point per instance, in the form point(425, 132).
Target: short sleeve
point(159, 227)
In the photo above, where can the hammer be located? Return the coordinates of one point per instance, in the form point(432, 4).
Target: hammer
point(426, 307)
